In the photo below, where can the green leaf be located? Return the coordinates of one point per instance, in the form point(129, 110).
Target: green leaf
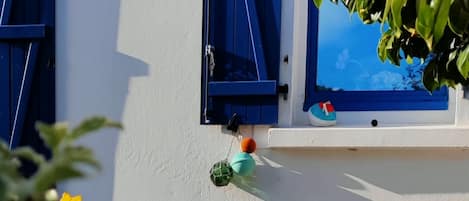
point(29, 154)
point(409, 59)
point(3, 149)
point(91, 125)
point(317, 3)
point(463, 62)
point(451, 57)
point(393, 56)
point(458, 20)
point(425, 21)
point(383, 45)
point(430, 77)
point(396, 8)
point(52, 134)
point(392, 51)
point(80, 155)
point(387, 9)
point(448, 82)
point(53, 174)
point(441, 20)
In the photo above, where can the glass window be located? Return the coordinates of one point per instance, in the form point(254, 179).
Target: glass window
point(343, 66)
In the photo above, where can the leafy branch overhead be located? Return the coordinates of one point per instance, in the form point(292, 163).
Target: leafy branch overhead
point(63, 165)
point(436, 31)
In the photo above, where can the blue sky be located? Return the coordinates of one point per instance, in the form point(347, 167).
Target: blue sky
point(347, 57)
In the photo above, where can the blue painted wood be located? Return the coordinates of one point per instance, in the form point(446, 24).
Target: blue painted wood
point(4, 91)
point(23, 90)
point(28, 69)
point(242, 88)
point(5, 11)
point(363, 100)
point(41, 106)
point(256, 39)
point(17, 66)
point(30, 31)
point(243, 33)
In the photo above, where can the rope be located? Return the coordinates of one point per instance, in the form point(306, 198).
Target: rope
point(231, 146)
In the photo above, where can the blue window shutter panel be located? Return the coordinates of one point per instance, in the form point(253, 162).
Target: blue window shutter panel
point(362, 100)
point(244, 36)
point(27, 75)
point(4, 90)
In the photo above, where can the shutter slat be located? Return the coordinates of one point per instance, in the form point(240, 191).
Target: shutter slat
point(243, 88)
point(31, 31)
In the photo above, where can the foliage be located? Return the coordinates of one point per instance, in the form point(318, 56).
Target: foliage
point(63, 165)
point(413, 79)
point(419, 29)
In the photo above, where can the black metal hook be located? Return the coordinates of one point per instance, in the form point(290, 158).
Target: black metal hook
point(233, 123)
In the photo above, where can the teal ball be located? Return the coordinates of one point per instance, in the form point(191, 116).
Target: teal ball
point(243, 164)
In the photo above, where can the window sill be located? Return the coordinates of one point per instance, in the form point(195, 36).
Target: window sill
point(394, 137)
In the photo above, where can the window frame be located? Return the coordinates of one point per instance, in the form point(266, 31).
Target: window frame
point(362, 100)
point(291, 111)
point(397, 130)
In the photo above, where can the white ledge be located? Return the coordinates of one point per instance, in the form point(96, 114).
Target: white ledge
point(415, 137)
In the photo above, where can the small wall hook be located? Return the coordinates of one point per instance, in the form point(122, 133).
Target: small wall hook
point(233, 123)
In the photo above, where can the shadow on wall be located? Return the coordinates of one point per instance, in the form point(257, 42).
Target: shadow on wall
point(93, 79)
point(359, 175)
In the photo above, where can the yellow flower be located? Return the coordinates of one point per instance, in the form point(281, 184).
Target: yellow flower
point(68, 197)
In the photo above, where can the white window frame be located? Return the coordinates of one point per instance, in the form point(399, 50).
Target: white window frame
point(396, 129)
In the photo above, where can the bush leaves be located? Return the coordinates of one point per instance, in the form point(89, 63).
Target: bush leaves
point(65, 163)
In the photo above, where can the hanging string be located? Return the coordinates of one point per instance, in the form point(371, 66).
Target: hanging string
point(231, 145)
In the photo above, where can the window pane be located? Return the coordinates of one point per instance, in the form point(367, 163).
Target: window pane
point(348, 60)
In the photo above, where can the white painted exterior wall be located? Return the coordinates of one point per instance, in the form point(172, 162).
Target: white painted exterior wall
point(138, 61)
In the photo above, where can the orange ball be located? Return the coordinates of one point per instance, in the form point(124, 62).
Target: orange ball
point(248, 145)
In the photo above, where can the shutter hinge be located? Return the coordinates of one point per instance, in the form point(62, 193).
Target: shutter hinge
point(283, 89)
point(210, 54)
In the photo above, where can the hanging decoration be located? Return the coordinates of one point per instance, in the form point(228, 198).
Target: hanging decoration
point(242, 164)
point(248, 145)
point(221, 173)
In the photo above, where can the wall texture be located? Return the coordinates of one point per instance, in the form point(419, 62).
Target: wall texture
point(138, 61)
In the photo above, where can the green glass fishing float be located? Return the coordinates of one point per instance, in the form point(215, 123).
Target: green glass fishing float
point(221, 173)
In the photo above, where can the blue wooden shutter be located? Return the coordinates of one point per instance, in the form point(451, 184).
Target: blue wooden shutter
point(27, 79)
point(241, 61)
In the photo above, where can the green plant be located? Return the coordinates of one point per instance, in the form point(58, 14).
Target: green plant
point(432, 30)
point(63, 165)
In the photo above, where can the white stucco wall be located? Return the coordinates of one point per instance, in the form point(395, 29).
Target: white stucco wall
point(138, 61)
